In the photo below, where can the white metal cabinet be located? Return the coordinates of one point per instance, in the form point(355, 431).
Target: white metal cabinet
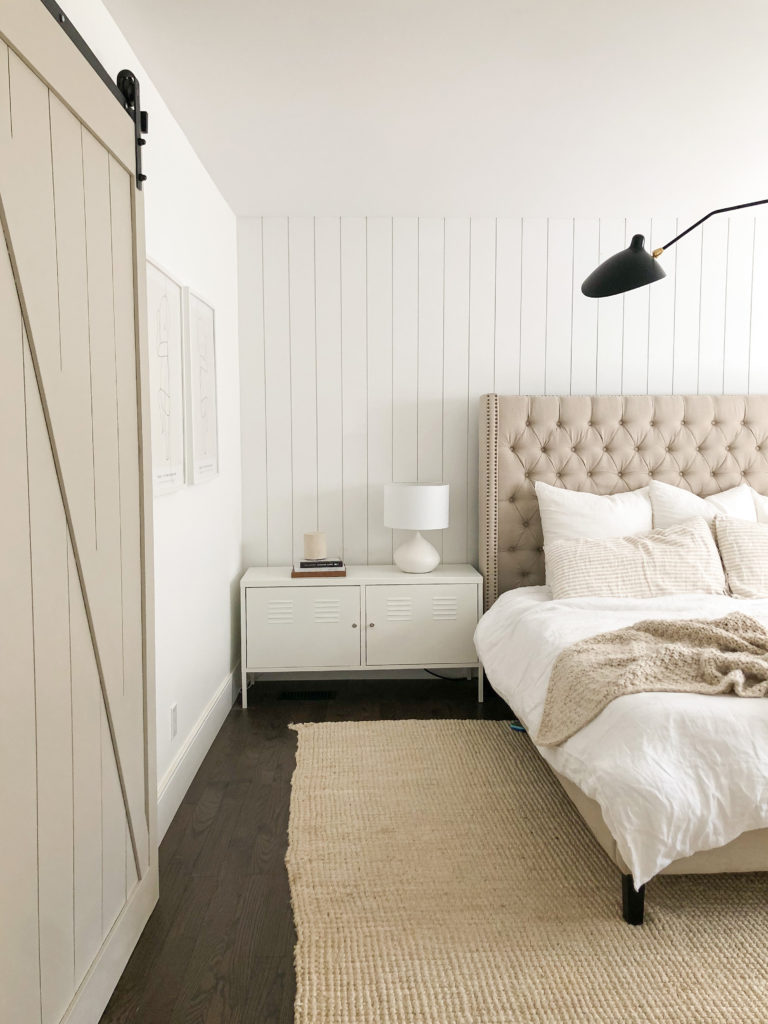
point(303, 627)
point(419, 621)
point(420, 625)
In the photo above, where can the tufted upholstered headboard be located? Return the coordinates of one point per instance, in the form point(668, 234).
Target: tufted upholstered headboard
point(603, 444)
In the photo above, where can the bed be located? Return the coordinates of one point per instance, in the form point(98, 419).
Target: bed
point(609, 444)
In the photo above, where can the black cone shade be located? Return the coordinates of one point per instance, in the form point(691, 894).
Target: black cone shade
point(631, 268)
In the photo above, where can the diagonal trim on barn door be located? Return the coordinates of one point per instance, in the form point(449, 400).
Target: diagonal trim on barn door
point(70, 531)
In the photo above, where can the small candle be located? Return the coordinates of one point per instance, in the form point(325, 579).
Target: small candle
point(314, 545)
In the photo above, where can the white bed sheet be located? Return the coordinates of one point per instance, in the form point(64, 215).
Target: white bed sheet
point(673, 773)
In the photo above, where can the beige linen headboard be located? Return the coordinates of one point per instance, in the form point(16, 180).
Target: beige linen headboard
point(603, 444)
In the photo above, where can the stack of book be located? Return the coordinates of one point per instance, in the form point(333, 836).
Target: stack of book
point(319, 567)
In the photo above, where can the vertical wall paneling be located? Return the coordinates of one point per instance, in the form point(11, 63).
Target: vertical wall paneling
point(610, 317)
point(329, 404)
point(430, 366)
point(455, 383)
point(560, 300)
point(19, 946)
point(413, 320)
point(714, 271)
point(586, 255)
point(405, 350)
point(277, 365)
point(661, 312)
point(354, 380)
point(758, 346)
point(53, 699)
point(301, 254)
point(634, 342)
point(533, 308)
point(688, 254)
point(482, 349)
point(508, 291)
point(253, 390)
point(738, 301)
point(379, 360)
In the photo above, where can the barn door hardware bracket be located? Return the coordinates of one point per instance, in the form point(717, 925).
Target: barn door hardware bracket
point(125, 90)
point(128, 84)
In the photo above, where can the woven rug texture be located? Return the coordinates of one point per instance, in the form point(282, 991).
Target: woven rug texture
point(439, 875)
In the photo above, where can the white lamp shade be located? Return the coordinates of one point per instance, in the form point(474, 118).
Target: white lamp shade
point(416, 506)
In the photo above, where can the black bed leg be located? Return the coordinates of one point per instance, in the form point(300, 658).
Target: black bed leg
point(633, 903)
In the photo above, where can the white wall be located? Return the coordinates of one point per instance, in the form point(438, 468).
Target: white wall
point(191, 231)
point(365, 343)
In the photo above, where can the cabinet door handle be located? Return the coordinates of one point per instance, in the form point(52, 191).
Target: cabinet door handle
point(371, 625)
point(354, 625)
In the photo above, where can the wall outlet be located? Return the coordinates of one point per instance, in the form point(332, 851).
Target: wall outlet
point(174, 721)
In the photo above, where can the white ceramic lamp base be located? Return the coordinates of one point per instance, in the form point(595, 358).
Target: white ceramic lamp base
point(416, 555)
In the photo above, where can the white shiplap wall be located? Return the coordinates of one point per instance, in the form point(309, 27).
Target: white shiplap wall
point(366, 343)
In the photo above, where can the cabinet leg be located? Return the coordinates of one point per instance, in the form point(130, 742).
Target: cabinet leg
point(480, 688)
point(244, 689)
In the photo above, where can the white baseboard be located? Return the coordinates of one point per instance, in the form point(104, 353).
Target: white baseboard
point(178, 778)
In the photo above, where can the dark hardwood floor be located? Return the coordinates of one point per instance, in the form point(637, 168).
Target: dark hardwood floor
point(218, 948)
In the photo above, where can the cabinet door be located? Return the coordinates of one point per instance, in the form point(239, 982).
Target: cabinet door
point(302, 627)
point(420, 624)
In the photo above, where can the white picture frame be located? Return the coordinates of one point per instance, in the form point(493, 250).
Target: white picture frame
point(165, 318)
point(202, 447)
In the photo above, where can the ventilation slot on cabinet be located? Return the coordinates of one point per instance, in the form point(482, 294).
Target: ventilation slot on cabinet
point(444, 607)
point(326, 609)
point(279, 611)
point(399, 609)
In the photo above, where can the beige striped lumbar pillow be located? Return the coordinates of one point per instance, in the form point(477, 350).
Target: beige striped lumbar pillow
point(682, 559)
point(744, 550)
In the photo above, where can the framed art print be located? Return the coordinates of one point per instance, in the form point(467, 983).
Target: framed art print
point(166, 377)
point(202, 407)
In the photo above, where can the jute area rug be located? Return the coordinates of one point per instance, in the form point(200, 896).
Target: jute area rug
point(439, 875)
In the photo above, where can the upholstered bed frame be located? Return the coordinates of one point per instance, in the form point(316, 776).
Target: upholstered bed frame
point(606, 444)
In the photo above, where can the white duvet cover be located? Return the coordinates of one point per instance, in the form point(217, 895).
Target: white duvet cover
point(673, 773)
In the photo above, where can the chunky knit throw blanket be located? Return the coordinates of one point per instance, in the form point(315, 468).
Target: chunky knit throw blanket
point(728, 655)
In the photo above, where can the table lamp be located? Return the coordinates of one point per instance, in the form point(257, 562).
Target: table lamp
point(416, 507)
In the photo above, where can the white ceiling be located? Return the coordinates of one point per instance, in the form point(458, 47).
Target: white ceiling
point(542, 107)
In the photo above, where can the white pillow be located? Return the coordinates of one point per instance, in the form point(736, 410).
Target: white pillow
point(744, 551)
point(761, 506)
point(680, 560)
point(675, 504)
point(568, 514)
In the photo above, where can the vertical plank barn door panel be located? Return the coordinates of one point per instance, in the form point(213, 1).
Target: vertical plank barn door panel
point(53, 703)
point(19, 945)
point(79, 878)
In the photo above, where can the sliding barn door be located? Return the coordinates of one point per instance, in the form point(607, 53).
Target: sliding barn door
point(78, 861)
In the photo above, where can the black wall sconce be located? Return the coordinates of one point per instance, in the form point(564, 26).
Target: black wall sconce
point(634, 266)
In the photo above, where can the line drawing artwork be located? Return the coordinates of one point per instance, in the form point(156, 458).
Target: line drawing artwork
point(203, 441)
point(164, 322)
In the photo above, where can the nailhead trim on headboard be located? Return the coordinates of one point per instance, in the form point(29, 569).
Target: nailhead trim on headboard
point(603, 444)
